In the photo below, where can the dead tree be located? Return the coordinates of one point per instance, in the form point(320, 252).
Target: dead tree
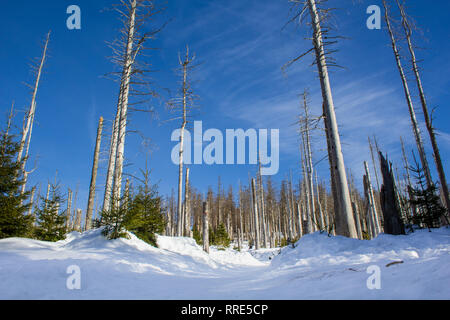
point(344, 221)
point(428, 120)
point(31, 204)
point(412, 113)
point(134, 15)
point(90, 207)
point(205, 227)
point(69, 209)
point(374, 163)
point(183, 104)
point(29, 119)
point(308, 165)
point(187, 206)
point(77, 224)
point(371, 203)
point(391, 212)
point(256, 217)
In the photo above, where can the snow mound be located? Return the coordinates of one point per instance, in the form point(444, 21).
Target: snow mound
point(319, 248)
point(319, 267)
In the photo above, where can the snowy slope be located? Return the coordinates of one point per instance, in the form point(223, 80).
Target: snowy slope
point(320, 267)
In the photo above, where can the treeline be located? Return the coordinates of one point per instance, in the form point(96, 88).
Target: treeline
point(260, 212)
point(51, 217)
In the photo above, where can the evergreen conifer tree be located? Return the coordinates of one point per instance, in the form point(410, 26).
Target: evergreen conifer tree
point(426, 200)
point(220, 237)
point(51, 222)
point(14, 220)
point(113, 220)
point(197, 235)
point(140, 214)
point(145, 217)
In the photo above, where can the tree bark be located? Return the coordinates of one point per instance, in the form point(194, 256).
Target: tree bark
point(256, 217)
point(205, 227)
point(90, 207)
point(389, 205)
point(31, 112)
point(125, 80)
point(412, 113)
point(372, 206)
point(345, 224)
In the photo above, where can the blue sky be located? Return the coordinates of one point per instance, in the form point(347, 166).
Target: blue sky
point(242, 46)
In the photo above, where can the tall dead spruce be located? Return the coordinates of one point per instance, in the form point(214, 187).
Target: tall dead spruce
point(412, 113)
point(91, 198)
point(182, 105)
point(428, 119)
point(133, 14)
point(29, 118)
point(344, 221)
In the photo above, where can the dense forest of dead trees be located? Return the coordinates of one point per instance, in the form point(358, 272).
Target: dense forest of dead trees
point(261, 212)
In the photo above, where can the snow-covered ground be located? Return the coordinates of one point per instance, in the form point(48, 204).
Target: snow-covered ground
point(319, 267)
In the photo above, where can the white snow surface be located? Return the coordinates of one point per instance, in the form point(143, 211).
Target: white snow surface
point(319, 267)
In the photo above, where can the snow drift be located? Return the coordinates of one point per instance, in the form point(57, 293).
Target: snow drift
point(319, 267)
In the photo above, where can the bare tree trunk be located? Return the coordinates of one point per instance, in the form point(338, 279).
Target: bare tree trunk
point(374, 164)
point(47, 195)
point(319, 205)
point(372, 206)
point(185, 93)
point(345, 224)
point(300, 220)
point(30, 116)
point(412, 113)
point(27, 150)
point(408, 178)
point(112, 156)
point(241, 224)
point(77, 226)
point(306, 194)
point(187, 216)
point(308, 158)
point(262, 207)
point(256, 216)
point(33, 191)
point(389, 205)
point(428, 120)
point(125, 81)
point(90, 207)
point(205, 227)
point(69, 209)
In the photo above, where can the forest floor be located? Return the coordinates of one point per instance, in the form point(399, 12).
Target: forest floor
point(319, 267)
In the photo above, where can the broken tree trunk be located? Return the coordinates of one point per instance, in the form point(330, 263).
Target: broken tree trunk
point(90, 207)
point(389, 205)
point(372, 205)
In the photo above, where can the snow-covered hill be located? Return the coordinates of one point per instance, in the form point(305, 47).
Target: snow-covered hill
point(319, 267)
